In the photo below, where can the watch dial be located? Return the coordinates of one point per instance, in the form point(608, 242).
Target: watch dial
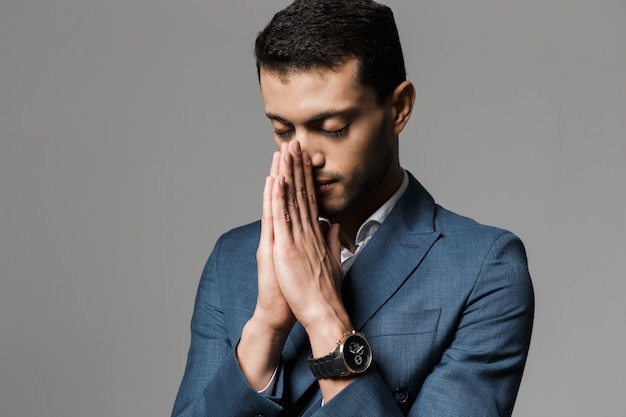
point(356, 353)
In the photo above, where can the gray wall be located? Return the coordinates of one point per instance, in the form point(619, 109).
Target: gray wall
point(132, 135)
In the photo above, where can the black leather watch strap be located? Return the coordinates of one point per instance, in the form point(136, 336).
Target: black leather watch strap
point(329, 366)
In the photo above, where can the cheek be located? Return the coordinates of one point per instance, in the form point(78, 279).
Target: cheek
point(348, 158)
point(367, 143)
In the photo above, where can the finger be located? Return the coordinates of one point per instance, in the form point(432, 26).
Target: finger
point(291, 202)
point(332, 240)
point(275, 164)
point(311, 197)
point(319, 227)
point(334, 249)
point(266, 216)
point(300, 186)
point(267, 234)
point(281, 217)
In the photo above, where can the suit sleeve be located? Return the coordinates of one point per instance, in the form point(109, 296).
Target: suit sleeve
point(213, 384)
point(480, 372)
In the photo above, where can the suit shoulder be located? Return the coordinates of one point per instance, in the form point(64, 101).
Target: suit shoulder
point(469, 236)
point(235, 249)
point(241, 238)
point(492, 251)
point(449, 222)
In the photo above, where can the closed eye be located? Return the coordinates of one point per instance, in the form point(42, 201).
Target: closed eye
point(283, 134)
point(335, 133)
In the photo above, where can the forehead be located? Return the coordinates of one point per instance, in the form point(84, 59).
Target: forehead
point(302, 93)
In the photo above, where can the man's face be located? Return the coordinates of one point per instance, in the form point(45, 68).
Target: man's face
point(342, 127)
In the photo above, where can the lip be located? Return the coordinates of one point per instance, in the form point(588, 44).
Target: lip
point(324, 185)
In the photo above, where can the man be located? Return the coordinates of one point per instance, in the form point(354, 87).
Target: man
point(394, 306)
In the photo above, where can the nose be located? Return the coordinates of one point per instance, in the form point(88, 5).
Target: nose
point(312, 148)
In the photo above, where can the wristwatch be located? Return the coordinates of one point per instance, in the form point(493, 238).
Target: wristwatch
point(351, 356)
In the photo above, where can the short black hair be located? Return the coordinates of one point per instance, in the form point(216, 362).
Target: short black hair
point(325, 34)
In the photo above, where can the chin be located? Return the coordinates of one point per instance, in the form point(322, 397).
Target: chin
point(330, 211)
point(336, 210)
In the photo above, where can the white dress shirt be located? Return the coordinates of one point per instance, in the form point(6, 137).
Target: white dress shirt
point(371, 225)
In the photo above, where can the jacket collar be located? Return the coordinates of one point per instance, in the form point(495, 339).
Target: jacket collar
point(392, 254)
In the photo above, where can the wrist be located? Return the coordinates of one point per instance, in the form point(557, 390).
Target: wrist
point(270, 331)
point(276, 325)
point(258, 352)
point(325, 333)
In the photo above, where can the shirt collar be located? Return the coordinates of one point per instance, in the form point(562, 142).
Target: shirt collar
point(373, 222)
point(378, 217)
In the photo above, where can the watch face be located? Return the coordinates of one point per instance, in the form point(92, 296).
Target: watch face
point(356, 353)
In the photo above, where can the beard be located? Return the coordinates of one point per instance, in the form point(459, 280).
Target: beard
point(364, 180)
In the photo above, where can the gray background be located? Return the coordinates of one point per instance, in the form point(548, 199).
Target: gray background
point(132, 135)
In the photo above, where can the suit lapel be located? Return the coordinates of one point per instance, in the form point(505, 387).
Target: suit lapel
point(392, 254)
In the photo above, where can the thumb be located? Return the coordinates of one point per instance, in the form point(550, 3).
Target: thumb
point(332, 240)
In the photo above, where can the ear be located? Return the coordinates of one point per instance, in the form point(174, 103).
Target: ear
point(402, 100)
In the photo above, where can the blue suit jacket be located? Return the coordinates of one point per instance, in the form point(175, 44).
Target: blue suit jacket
point(446, 303)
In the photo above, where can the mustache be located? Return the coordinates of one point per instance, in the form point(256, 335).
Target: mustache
point(325, 176)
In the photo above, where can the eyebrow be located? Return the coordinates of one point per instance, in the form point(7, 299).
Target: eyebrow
point(349, 113)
